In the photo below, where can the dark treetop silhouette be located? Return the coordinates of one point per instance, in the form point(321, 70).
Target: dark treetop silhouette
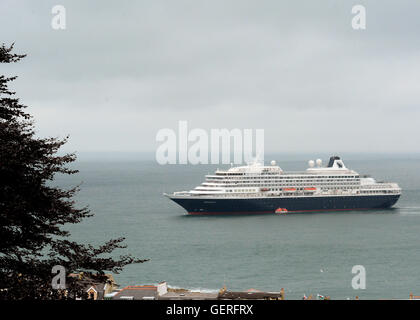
point(32, 212)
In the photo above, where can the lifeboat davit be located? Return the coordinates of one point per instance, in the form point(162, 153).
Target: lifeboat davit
point(281, 210)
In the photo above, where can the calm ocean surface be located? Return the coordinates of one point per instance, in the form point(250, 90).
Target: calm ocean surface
point(304, 253)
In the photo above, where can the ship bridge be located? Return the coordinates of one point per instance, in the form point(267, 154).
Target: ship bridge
point(255, 167)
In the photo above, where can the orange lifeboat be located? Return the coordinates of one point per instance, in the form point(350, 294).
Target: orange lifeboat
point(264, 189)
point(310, 189)
point(289, 189)
point(281, 210)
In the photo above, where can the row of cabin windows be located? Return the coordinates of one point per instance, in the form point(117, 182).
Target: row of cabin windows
point(277, 189)
point(287, 180)
point(291, 181)
point(289, 177)
point(288, 185)
point(379, 191)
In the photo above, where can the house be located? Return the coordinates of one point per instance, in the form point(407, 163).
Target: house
point(147, 292)
point(95, 289)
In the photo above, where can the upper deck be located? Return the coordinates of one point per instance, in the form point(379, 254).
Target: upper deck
point(257, 179)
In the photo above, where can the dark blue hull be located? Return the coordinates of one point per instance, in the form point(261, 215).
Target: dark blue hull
point(297, 204)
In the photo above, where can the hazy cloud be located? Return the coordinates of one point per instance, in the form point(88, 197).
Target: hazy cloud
point(121, 71)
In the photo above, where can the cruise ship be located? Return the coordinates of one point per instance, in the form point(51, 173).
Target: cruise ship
point(260, 189)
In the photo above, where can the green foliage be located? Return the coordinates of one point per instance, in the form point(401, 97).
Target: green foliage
point(32, 212)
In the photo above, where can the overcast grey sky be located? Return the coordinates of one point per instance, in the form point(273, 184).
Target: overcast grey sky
point(122, 70)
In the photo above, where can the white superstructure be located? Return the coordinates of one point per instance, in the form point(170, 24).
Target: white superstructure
point(258, 180)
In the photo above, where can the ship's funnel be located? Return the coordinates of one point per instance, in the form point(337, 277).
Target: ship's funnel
point(336, 162)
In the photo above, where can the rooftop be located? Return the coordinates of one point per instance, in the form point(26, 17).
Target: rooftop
point(136, 293)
